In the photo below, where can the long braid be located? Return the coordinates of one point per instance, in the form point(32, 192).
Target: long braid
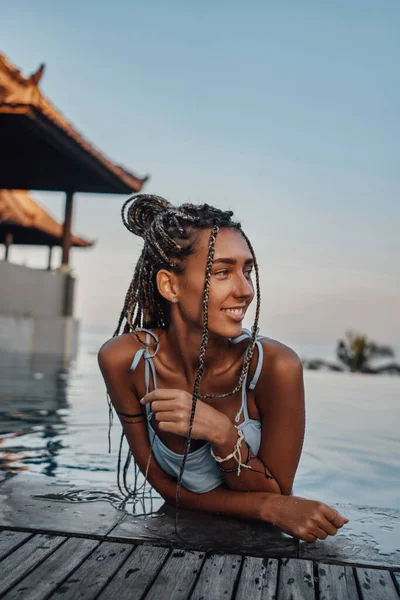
point(202, 357)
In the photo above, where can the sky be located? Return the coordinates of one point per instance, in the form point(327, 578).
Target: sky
point(287, 113)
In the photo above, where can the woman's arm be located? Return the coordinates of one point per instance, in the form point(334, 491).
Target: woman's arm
point(280, 399)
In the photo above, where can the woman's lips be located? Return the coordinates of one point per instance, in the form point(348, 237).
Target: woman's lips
point(237, 314)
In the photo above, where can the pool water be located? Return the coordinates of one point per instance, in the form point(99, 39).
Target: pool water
point(54, 421)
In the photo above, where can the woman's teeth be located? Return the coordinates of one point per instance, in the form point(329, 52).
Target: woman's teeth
point(234, 311)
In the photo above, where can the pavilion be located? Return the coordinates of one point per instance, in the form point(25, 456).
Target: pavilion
point(41, 150)
point(24, 222)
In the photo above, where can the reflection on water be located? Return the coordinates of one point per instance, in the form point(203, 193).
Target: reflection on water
point(33, 402)
point(54, 420)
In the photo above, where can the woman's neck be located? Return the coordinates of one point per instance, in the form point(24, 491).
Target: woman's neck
point(182, 344)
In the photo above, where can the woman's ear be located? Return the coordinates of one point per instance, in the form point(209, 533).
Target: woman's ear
point(167, 285)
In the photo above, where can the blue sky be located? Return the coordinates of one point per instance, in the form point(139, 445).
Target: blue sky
point(287, 112)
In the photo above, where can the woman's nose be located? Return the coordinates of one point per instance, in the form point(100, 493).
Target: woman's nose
point(244, 287)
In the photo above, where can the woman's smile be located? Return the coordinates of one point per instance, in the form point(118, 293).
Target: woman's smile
point(235, 313)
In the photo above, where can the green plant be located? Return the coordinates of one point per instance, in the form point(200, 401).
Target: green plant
point(356, 351)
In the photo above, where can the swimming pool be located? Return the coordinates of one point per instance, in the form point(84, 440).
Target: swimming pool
point(54, 420)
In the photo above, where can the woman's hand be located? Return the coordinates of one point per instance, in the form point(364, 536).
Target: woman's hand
point(172, 409)
point(307, 520)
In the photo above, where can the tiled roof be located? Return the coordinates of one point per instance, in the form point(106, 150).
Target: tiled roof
point(17, 91)
point(17, 207)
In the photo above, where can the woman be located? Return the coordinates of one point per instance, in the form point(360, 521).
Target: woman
point(210, 411)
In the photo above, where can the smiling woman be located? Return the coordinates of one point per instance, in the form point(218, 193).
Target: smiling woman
point(234, 445)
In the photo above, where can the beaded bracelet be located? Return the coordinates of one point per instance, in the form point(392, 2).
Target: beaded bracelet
point(236, 450)
point(236, 454)
point(249, 456)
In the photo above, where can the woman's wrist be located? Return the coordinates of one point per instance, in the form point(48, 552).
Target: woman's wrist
point(223, 436)
point(269, 506)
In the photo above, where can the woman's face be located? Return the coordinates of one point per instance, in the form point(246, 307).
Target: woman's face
point(231, 287)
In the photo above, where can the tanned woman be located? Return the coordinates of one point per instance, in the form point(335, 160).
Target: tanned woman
point(213, 414)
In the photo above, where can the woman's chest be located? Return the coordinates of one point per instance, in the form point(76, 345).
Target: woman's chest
point(241, 403)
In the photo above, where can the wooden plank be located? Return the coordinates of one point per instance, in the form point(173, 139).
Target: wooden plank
point(137, 573)
point(376, 583)
point(49, 574)
point(10, 540)
point(296, 580)
point(93, 575)
point(26, 557)
point(177, 577)
point(218, 577)
point(337, 582)
point(258, 579)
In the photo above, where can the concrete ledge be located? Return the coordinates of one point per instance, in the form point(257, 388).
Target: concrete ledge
point(201, 532)
point(22, 508)
point(33, 503)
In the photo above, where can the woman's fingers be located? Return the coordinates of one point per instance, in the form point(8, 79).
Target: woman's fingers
point(169, 416)
point(164, 405)
point(320, 526)
point(314, 533)
point(334, 516)
point(161, 394)
point(307, 537)
point(328, 527)
point(320, 533)
point(331, 520)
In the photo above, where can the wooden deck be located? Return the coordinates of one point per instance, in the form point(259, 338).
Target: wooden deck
point(39, 566)
point(53, 544)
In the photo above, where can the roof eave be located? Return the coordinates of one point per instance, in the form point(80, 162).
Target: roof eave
point(116, 179)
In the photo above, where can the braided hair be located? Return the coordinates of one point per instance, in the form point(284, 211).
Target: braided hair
point(170, 235)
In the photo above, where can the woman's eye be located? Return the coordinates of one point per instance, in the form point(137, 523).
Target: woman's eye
point(223, 272)
point(248, 273)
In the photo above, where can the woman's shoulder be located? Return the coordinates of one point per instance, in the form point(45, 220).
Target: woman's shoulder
point(117, 353)
point(278, 357)
point(280, 385)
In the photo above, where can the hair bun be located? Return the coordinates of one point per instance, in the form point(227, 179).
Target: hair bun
point(140, 215)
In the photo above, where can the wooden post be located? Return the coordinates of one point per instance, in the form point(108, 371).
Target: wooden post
point(7, 243)
point(49, 260)
point(66, 244)
point(69, 287)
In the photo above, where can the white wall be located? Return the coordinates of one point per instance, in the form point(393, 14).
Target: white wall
point(26, 291)
point(57, 336)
